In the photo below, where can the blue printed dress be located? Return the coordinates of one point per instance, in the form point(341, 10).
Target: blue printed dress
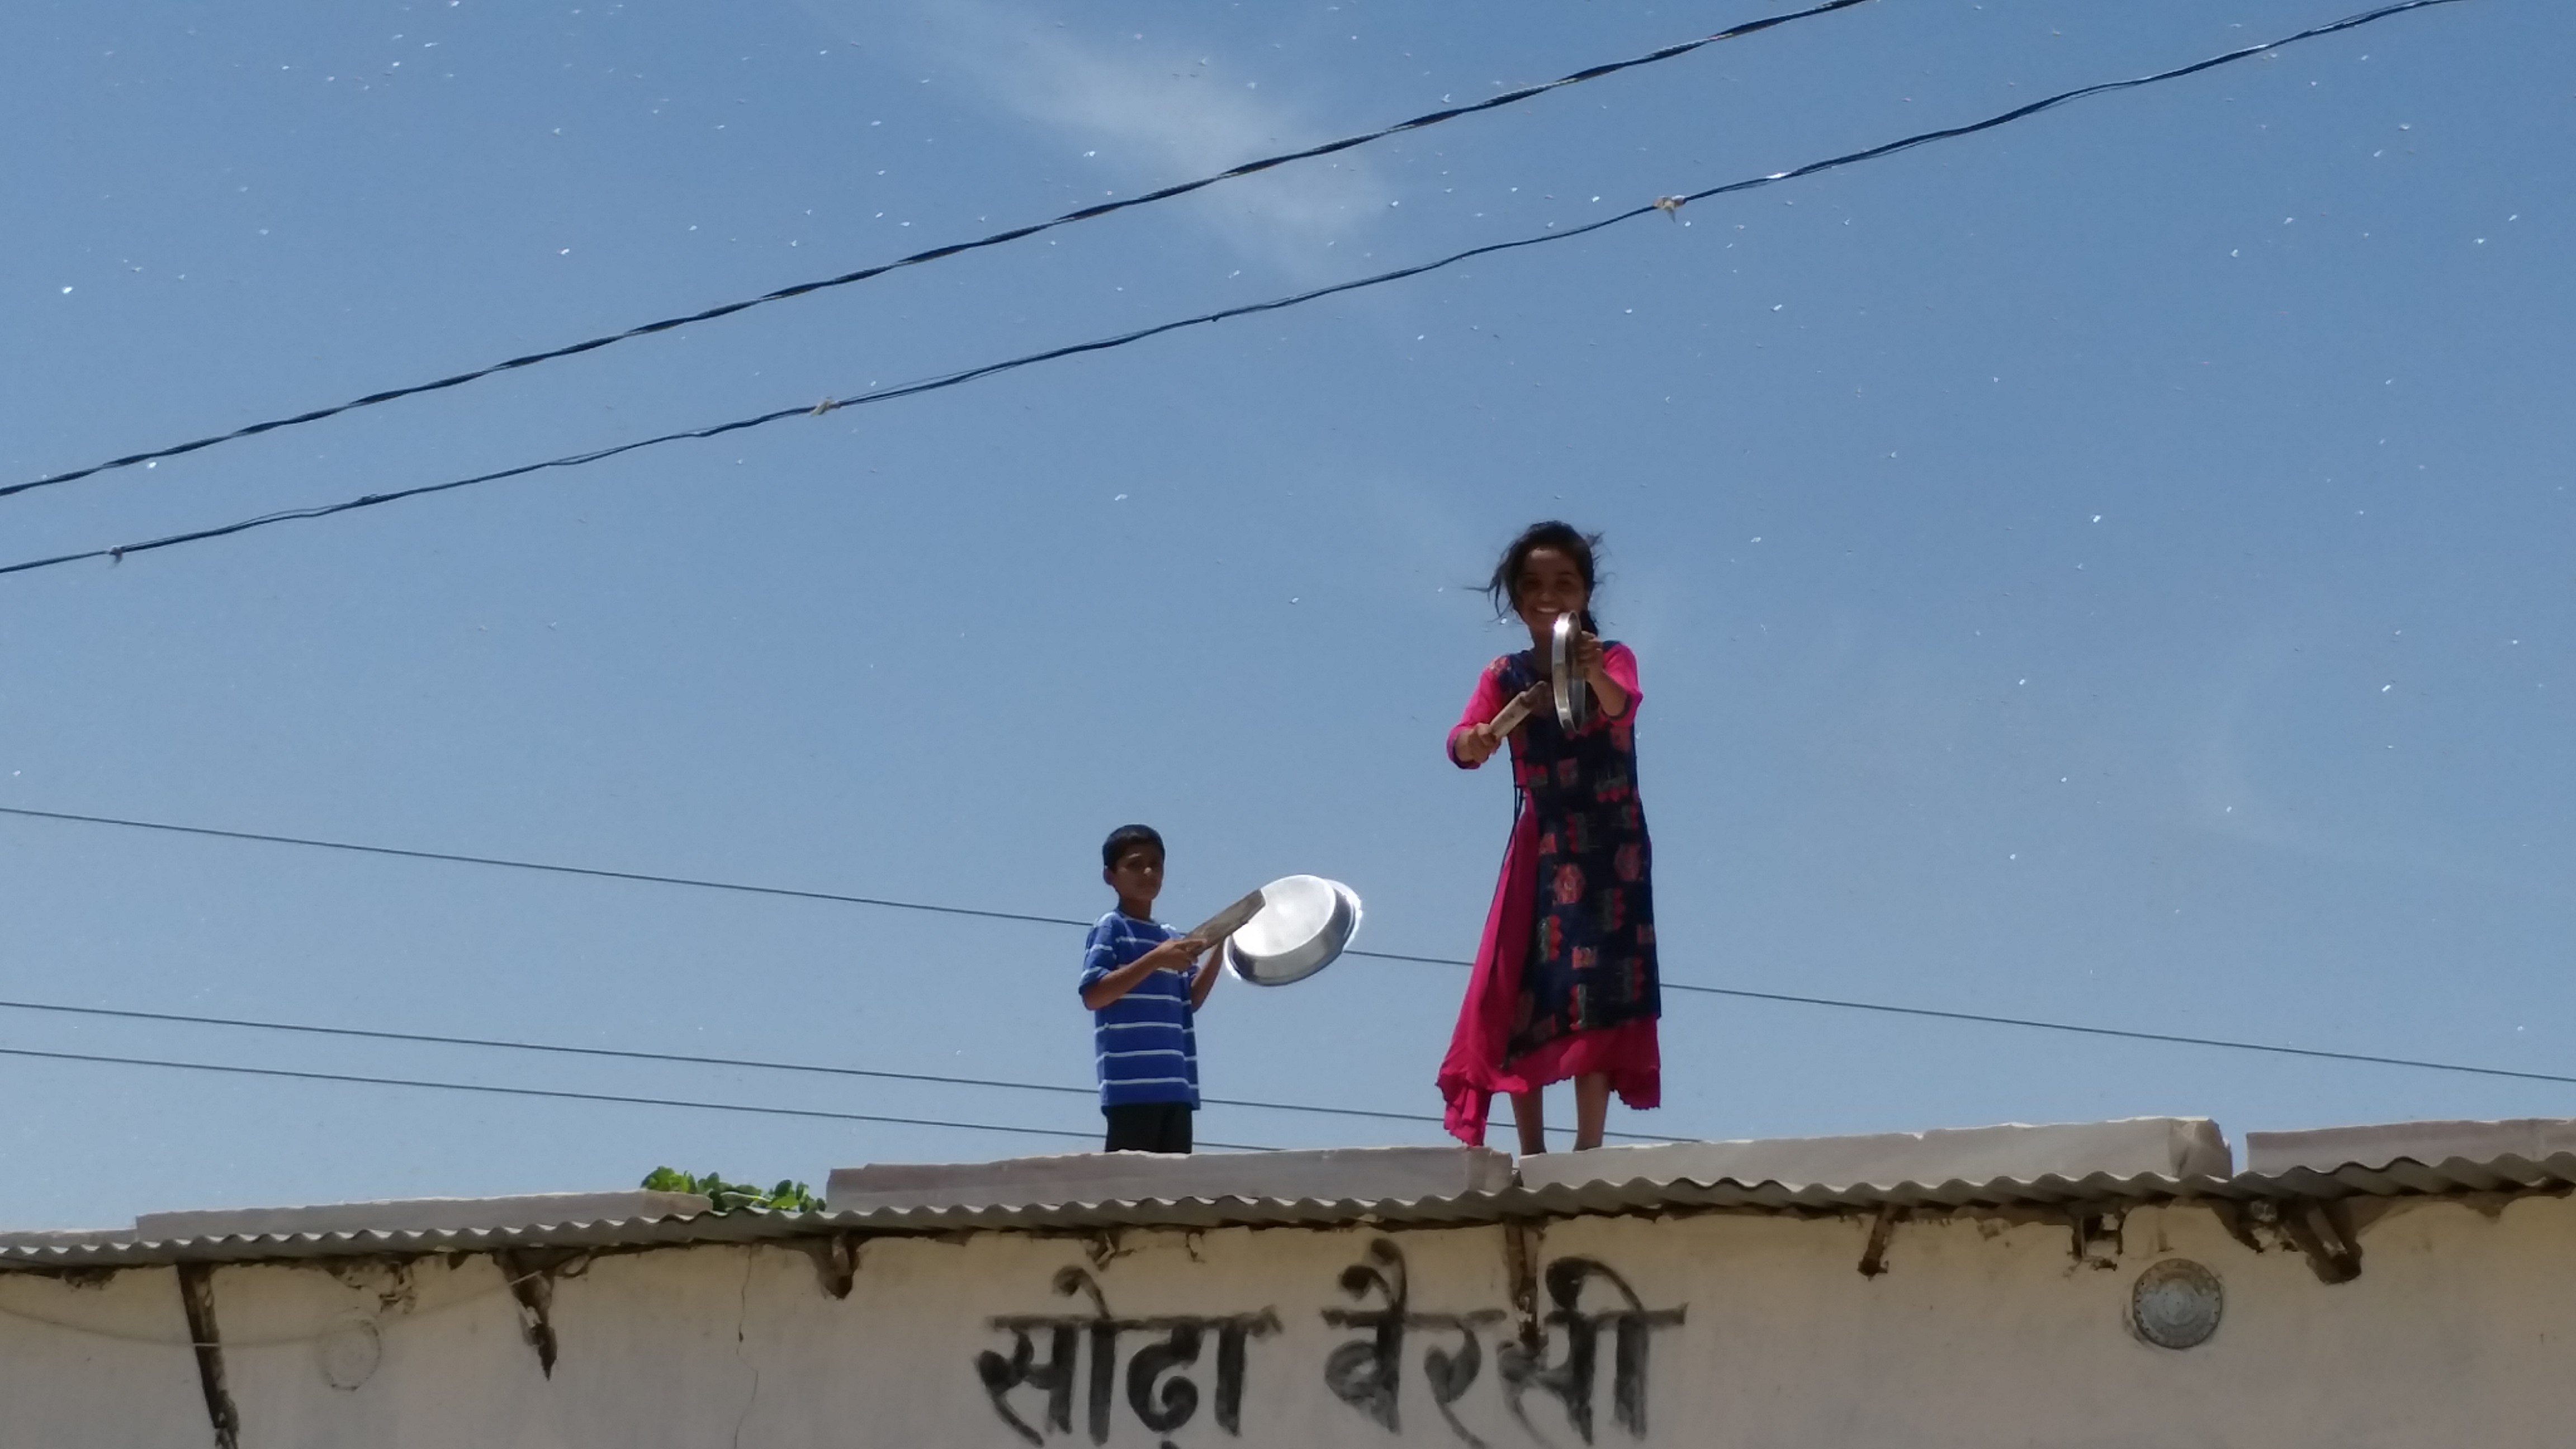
point(1566, 983)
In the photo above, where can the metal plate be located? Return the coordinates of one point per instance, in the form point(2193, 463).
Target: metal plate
point(2176, 1304)
point(1305, 921)
point(1573, 700)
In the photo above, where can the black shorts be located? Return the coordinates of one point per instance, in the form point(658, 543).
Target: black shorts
point(1148, 1127)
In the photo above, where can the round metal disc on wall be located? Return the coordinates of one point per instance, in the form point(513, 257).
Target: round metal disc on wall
point(2176, 1304)
point(348, 1353)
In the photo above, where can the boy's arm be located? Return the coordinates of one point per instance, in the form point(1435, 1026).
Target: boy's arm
point(1205, 981)
point(1172, 955)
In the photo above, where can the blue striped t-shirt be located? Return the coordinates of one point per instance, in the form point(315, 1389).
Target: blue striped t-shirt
point(1142, 1043)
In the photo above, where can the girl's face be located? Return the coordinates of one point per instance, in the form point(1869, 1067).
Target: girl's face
point(1549, 585)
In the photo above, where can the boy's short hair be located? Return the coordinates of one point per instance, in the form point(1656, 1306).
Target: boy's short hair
point(1126, 838)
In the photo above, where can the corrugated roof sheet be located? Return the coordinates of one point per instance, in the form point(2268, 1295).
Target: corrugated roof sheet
point(2456, 1176)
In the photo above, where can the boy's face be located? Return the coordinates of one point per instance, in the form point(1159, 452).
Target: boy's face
point(1138, 875)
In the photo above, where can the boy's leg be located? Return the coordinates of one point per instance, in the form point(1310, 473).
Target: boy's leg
point(1133, 1127)
point(1148, 1127)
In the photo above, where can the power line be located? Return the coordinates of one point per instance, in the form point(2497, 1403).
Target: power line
point(645, 878)
point(2168, 1038)
point(938, 253)
point(1103, 344)
point(686, 1059)
point(580, 870)
point(1740, 993)
point(555, 1094)
point(598, 873)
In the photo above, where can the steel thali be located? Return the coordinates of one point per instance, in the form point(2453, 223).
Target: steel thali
point(1305, 921)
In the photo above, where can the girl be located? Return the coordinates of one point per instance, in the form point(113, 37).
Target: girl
point(1565, 982)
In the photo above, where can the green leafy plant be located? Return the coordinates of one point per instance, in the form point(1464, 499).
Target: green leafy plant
point(786, 1197)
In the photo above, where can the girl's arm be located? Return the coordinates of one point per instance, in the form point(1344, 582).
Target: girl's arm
point(1611, 671)
point(1470, 741)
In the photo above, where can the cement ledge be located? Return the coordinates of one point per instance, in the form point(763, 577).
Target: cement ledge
point(2376, 1145)
point(1354, 1174)
point(420, 1214)
point(2174, 1147)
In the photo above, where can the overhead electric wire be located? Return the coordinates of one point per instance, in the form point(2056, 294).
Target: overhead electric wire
point(1103, 344)
point(1087, 213)
point(2126, 1034)
point(1740, 993)
point(669, 1057)
point(549, 1092)
point(600, 873)
point(687, 1059)
point(582, 870)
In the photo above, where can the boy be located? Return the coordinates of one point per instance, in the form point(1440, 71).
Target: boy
point(1137, 981)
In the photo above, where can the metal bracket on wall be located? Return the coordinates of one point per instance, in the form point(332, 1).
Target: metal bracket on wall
point(2100, 1235)
point(1882, 1228)
point(530, 1273)
point(836, 1261)
point(1520, 1269)
point(2323, 1231)
point(197, 1298)
point(2325, 1235)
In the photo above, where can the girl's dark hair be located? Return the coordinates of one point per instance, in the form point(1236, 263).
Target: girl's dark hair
point(1504, 587)
point(1126, 838)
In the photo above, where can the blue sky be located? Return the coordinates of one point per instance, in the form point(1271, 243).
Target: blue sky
point(2115, 568)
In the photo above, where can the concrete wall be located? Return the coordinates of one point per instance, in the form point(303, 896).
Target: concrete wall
point(1746, 1330)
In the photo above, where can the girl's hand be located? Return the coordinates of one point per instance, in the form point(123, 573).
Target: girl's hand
point(1607, 693)
point(1477, 745)
point(1587, 660)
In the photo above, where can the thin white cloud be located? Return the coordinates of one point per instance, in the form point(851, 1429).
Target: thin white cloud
point(1157, 114)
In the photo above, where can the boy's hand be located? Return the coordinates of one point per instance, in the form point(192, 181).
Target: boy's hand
point(1205, 981)
point(1172, 955)
point(1175, 954)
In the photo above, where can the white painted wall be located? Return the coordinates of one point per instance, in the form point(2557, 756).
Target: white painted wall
point(2461, 1329)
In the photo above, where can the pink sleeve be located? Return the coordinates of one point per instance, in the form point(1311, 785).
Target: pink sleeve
point(1620, 663)
point(1484, 704)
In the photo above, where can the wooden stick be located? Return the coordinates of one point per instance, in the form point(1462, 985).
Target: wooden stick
point(1230, 920)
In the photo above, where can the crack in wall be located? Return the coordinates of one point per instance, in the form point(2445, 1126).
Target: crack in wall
point(741, 1328)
